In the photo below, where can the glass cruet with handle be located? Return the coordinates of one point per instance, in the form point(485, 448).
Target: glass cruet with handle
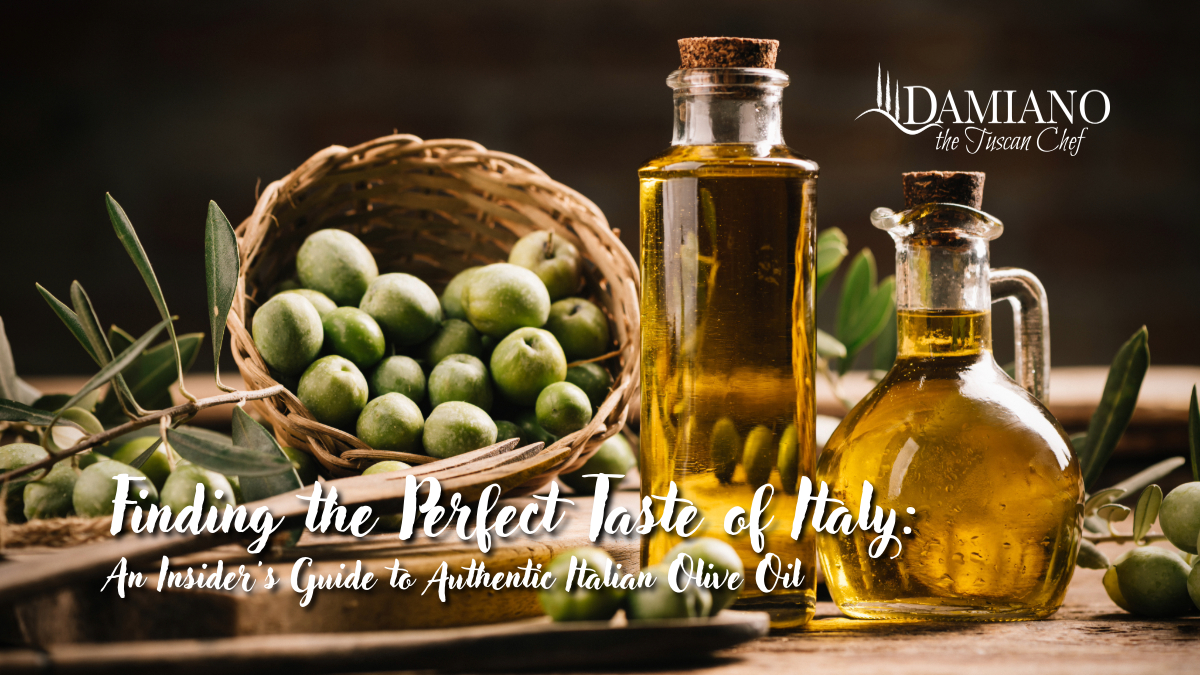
point(978, 470)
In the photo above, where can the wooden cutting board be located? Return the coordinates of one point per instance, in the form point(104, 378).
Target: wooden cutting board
point(81, 613)
point(512, 647)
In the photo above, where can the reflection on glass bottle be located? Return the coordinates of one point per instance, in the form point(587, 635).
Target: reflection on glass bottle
point(727, 319)
point(991, 475)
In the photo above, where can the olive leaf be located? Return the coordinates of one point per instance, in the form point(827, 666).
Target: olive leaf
point(221, 267)
point(15, 411)
point(856, 287)
point(1149, 475)
point(831, 250)
point(1147, 511)
point(70, 320)
point(828, 346)
point(118, 339)
point(1194, 434)
point(85, 313)
point(1101, 498)
point(8, 369)
point(1091, 557)
point(112, 368)
point(1113, 513)
point(145, 456)
point(216, 453)
point(1116, 407)
point(1078, 440)
point(1094, 524)
point(11, 386)
point(865, 307)
point(250, 435)
point(133, 246)
point(150, 377)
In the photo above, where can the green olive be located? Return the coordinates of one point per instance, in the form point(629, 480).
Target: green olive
point(388, 521)
point(336, 263)
point(15, 456)
point(456, 427)
point(593, 378)
point(580, 604)
point(531, 431)
point(236, 484)
point(386, 466)
point(660, 601)
point(506, 430)
point(452, 306)
point(96, 488)
point(304, 464)
point(1113, 587)
point(1179, 516)
point(87, 458)
point(760, 455)
point(1153, 582)
point(180, 489)
point(726, 448)
point(563, 408)
point(157, 466)
point(1090, 557)
point(789, 459)
point(454, 336)
point(51, 496)
point(615, 456)
point(720, 559)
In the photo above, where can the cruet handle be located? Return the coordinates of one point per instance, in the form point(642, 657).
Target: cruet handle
point(1031, 326)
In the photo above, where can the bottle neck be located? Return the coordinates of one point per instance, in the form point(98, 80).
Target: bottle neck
point(943, 296)
point(929, 333)
point(728, 105)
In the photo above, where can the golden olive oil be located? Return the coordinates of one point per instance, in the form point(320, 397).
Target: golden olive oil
point(728, 346)
point(990, 474)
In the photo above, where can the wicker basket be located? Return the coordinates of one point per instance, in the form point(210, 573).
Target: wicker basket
point(431, 209)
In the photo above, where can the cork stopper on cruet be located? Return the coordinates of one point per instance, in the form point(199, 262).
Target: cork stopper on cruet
point(727, 52)
point(944, 187)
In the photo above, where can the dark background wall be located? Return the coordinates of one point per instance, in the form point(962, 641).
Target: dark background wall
point(168, 109)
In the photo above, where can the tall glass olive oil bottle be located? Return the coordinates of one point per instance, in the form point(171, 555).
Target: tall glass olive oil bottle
point(727, 246)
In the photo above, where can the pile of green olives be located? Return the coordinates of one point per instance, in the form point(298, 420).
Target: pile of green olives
point(383, 357)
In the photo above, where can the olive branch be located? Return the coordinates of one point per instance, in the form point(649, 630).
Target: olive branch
point(140, 374)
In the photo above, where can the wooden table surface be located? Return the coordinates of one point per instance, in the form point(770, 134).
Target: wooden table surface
point(1088, 635)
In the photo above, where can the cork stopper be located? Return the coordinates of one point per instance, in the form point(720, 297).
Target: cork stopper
point(727, 52)
point(950, 187)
